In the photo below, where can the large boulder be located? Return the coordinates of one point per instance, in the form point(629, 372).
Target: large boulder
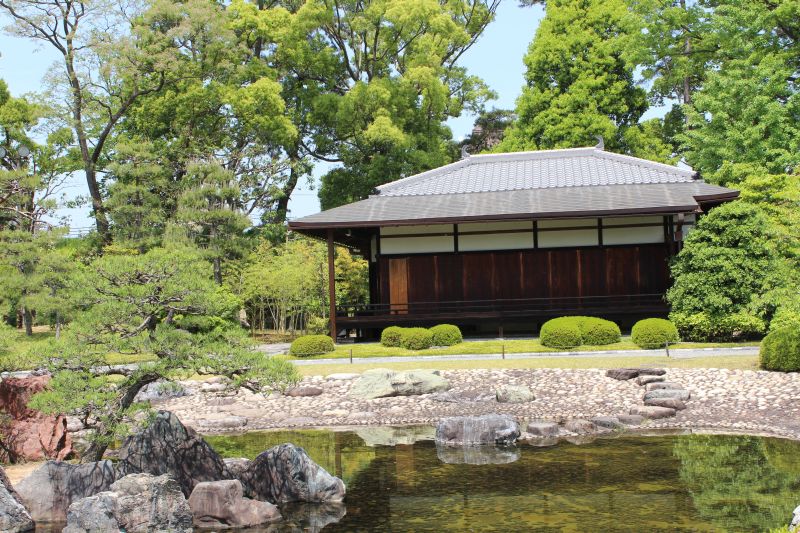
point(48, 492)
point(514, 394)
point(382, 383)
point(166, 446)
point(286, 473)
point(29, 434)
point(138, 503)
point(222, 505)
point(14, 517)
point(794, 525)
point(477, 430)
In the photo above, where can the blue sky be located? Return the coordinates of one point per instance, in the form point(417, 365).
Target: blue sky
point(496, 57)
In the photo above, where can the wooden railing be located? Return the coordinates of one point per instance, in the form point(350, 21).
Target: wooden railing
point(507, 307)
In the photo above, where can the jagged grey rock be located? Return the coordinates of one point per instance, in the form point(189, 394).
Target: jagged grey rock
point(543, 429)
point(14, 518)
point(222, 505)
point(622, 374)
point(286, 473)
point(653, 412)
point(678, 394)
point(514, 394)
point(477, 430)
point(652, 371)
point(168, 447)
point(235, 466)
point(137, 503)
point(383, 383)
point(48, 492)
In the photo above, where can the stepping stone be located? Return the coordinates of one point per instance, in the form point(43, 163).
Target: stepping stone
point(580, 426)
point(644, 380)
point(608, 422)
point(543, 429)
point(672, 403)
point(631, 420)
point(652, 371)
point(678, 394)
point(622, 374)
point(544, 442)
point(653, 412)
point(304, 391)
point(663, 385)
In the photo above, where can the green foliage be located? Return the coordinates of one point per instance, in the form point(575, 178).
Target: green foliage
point(446, 335)
point(317, 325)
point(560, 333)
point(598, 331)
point(6, 338)
point(392, 336)
point(578, 83)
point(726, 274)
point(312, 345)
point(652, 333)
point(416, 338)
point(780, 350)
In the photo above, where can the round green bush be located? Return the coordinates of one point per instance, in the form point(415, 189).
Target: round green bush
point(560, 333)
point(391, 336)
point(311, 345)
point(416, 338)
point(654, 333)
point(597, 331)
point(780, 350)
point(446, 335)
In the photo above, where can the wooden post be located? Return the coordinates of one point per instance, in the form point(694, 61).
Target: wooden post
point(331, 285)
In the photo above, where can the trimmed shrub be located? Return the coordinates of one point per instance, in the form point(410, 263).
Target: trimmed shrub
point(311, 345)
point(446, 335)
point(560, 333)
point(653, 333)
point(701, 327)
point(391, 336)
point(416, 338)
point(780, 350)
point(598, 331)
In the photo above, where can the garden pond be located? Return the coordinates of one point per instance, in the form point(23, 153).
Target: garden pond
point(672, 483)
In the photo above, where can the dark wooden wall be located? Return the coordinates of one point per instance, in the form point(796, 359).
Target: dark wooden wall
point(550, 273)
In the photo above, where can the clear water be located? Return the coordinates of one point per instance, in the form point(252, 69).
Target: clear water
point(676, 483)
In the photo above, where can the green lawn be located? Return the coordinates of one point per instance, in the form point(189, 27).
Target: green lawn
point(746, 362)
point(375, 349)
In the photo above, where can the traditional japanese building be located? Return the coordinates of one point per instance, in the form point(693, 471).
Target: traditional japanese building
point(511, 239)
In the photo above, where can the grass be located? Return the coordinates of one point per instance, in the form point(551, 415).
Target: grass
point(375, 349)
point(731, 362)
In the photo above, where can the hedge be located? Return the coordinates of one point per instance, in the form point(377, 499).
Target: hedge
point(654, 333)
point(416, 338)
point(391, 336)
point(560, 333)
point(446, 335)
point(598, 331)
point(311, 345)
point(780, 350)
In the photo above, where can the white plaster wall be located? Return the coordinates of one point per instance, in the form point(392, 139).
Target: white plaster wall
point(497, 241)
point(632, 235)
point(621, 221)
point(567, 238)
point(416, 245)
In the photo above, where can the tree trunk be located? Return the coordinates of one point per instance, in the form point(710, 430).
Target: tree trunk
point(218, 270)
point(27, 319)
point(282, 207)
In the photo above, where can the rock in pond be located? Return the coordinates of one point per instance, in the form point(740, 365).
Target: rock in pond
point(477, 430)
point(168, 447)
point(382, 383)
point(389, 436)
point(678, 394)
point(222, 505)
point(311, 517)
point(608, 422)
point(477, 455)
point(653, 412)
point(14, 518)
point(48, 492)
point(543, 429)
point(672, 403)
point(514, 394)
point(580, 426)
point(286, 473)
point(137, 503)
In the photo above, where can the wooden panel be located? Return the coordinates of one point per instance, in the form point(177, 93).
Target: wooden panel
point(535, 274)
point(507, 276)
point(422, 278)
point(564, 273)
point(383, 281)
point(622, 271)
point(478, 272)
point(653, 269)
point(398, 284)
point(449, 284)
point(593, 271)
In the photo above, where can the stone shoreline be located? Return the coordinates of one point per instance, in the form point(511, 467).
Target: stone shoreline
point(736, 401)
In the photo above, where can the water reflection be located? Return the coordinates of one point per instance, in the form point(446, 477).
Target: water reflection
point(668, 483)
point(477, 455)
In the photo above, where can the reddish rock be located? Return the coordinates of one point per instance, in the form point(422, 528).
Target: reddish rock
point(29, 434)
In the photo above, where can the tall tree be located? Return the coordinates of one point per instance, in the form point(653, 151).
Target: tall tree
point(578, 83)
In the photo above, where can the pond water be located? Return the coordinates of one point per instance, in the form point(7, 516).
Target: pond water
point(670, 483)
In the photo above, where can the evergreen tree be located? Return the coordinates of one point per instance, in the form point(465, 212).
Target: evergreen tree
point(578, 84)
